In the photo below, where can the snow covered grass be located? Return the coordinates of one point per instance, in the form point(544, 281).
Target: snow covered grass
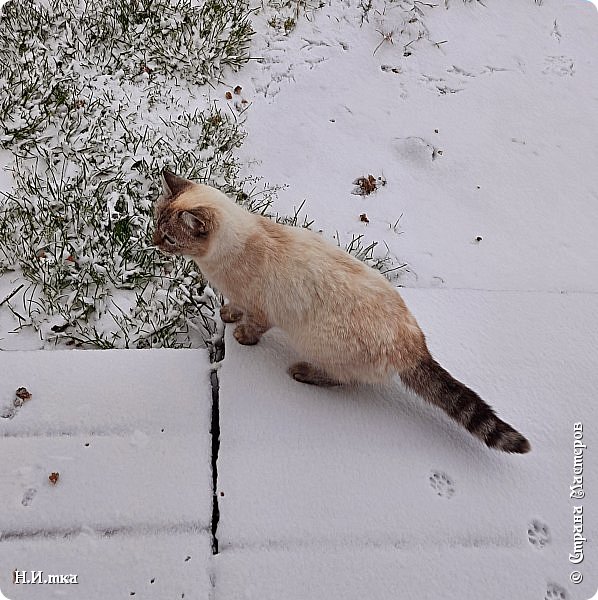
point(100, 98)
point(288, 12)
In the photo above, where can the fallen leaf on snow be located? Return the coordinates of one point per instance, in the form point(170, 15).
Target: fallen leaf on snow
point(367, 184)
point(23, 394)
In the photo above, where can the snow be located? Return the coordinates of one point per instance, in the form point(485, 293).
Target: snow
point(115, 566)
point(485, 135)
point(128, 434)
point(374, 472)
point(381, 572)
point(519, 128)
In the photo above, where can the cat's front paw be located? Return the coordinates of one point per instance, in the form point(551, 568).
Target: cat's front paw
point(229, 314)
point(246, 335)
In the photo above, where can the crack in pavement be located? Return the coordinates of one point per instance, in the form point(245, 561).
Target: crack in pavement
point(217, 356)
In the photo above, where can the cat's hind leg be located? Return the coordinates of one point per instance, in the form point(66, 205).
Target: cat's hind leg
point(230, 313)
point(308, 373)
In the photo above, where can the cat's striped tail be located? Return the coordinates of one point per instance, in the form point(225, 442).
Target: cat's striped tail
point(436, 385)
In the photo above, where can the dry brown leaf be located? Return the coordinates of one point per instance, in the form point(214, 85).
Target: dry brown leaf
point(367, 185)
point(23, 394)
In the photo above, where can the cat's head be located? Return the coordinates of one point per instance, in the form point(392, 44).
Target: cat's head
point(186, 216)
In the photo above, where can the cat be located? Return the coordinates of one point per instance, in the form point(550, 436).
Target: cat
point(341, 315)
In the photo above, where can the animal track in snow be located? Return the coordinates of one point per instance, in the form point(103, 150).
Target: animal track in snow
point(28, 496)
point(416, 150)
point(397, 71)
point(10, 412)
point(442, 484)
point(278, 72)
point(439, 85)
point(493, 69)
point(312, 62)
point(456, 79)
point(459, 71)
point(538, 534)
point(556, 33)
point(7, 412)
point(446, 89)
point(286, 56)
point(555, 592)
point(309, 44)
point(562, 66)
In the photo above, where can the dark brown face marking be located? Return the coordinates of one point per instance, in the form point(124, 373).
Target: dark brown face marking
point(162, 236)
point(182, 228)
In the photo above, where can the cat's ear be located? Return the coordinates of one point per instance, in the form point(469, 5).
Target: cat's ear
point(173, 184)
point(198, 220)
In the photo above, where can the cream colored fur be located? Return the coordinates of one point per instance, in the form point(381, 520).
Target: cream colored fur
point(340, 315)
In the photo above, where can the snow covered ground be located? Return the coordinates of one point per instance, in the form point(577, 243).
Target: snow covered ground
point(481, 119)
point(369, 489)
point(128, 435)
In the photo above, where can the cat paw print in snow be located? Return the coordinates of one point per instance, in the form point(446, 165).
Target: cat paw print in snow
point(442, 484)
point(538, 534)
point(556, 592)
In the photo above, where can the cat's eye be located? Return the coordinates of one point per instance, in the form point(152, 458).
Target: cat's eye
point(169, 240)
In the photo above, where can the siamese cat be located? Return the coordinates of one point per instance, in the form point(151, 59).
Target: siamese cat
point(346, 320)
